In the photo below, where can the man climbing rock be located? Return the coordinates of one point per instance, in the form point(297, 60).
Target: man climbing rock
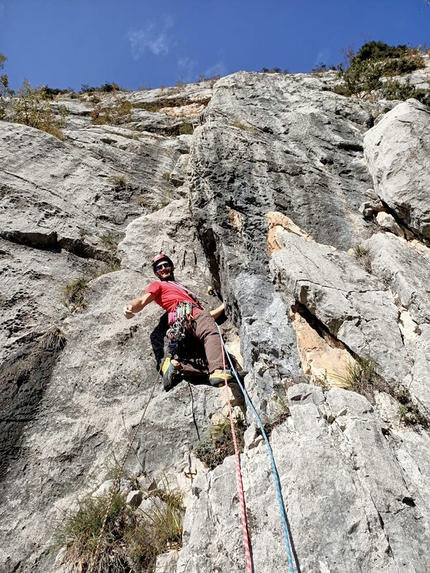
point(185, 316)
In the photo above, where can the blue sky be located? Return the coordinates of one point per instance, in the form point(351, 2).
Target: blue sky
point(135, 43)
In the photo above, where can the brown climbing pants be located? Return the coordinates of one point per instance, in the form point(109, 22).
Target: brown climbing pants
point(205, 330)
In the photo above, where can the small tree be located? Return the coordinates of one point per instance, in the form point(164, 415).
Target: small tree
point(5, 91)
point(30, 106)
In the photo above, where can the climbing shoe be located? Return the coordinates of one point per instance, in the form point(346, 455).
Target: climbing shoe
point(218, 380)
point(170, 375)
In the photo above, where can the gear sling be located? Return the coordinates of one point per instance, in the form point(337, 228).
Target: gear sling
point(179, 321)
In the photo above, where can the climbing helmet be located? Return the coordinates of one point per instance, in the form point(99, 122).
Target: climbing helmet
point(157, 260)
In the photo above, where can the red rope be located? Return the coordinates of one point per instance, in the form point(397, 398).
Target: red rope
point(249, 566)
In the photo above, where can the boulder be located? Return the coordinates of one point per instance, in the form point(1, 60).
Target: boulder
point(397, 151)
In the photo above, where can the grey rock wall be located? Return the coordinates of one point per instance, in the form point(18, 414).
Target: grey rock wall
point(354, 477)
point(397, 151)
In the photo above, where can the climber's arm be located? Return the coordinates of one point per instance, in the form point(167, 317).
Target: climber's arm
point(138, 304)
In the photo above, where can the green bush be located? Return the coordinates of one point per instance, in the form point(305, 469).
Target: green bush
point(374, 61)
point(106, 88)
point(358, 78)
point(50, 93)
point(409, 412)
point(30, 106)
point(152, 106)
point(81, 531)
point(273, 71)
point(394, 90)
point(394, 60)
point(5, 90)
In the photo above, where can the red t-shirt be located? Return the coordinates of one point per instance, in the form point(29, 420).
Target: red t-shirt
point(169, 294)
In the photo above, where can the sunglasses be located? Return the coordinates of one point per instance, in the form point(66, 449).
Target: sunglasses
point(163, 266)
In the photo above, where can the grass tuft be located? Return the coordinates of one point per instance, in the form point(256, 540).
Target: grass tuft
point(115, 113)
point(360, 251)
point(280, 414)
point(109, 240)
point(218, 443)
point(132, 538)
point(74, 294)
point(364, 257)
point(362, 377)
point(109, 268)
point(119, 182)
point(53, 339)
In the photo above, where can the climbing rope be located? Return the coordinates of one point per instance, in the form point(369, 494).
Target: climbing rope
point(116, 483)
point(249, 565)
point(285, 528)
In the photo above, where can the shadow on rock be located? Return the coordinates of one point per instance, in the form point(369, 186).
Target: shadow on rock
point(23, 381)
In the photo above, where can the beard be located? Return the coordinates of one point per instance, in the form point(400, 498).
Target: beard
point(169, 277)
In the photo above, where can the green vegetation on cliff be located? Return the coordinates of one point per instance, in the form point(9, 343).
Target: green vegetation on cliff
point(375, 68)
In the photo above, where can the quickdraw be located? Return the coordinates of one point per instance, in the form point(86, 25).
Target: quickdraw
point(179, 322)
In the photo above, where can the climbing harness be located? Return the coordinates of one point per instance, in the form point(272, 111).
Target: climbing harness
point(284, 519)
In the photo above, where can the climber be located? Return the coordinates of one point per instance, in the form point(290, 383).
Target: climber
point(186, 316)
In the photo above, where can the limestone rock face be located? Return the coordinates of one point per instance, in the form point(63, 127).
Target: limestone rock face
point(259, 186)
point(345, 299)
point(398, 154)
point(342, 480)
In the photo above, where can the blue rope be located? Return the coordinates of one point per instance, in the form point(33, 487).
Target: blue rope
point(272, 461)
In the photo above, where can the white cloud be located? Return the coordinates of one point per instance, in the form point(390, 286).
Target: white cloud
point(153, 38)
point(186, 68)
point(323, 57)
point(215, 70)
